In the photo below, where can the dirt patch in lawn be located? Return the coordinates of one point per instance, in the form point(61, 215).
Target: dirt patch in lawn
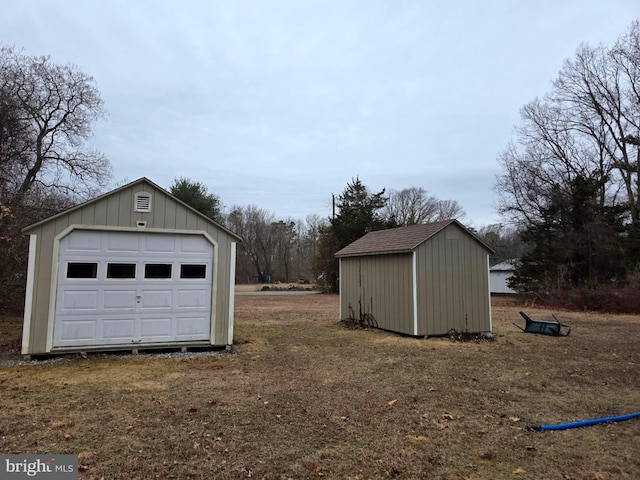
point(302, 397)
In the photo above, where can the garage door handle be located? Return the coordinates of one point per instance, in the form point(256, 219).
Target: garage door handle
point(136, 341)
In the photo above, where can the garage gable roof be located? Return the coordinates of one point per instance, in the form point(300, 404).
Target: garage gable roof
point(399, 240)
point(119, 189)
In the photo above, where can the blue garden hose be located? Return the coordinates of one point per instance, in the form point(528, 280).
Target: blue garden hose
point(584, 423)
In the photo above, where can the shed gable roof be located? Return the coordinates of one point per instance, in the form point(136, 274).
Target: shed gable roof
point(120, 189)
point(399, 240)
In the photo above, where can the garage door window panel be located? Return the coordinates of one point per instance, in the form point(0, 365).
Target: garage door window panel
point(157, 270)
point(82, 270)
point(190, 271)
point(121, 271)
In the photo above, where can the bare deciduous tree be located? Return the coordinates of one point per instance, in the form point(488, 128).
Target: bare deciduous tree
point(447, 209)
point(587, 126)
point(412, 206)
point(505, 241)
point(257, 252)
point(306, 244)
point(46, 115)
point(272, 249)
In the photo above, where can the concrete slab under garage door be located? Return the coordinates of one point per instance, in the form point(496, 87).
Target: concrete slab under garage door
point(127, 288)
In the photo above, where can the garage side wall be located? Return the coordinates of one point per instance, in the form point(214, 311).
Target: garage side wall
point(452, 284)
point(117, 210)
point(381, 286)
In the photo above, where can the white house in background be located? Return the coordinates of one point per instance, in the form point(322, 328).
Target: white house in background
point(498, 275)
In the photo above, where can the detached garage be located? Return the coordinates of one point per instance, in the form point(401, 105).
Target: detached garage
point(134, 268)
point(421, 280)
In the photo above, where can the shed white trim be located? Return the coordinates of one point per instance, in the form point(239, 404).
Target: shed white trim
point(214, 278)
point(28, 300)
point(489, 275)
point(414, 281)
point(342, 317)
point(177, 231)
point(232, 293)
point(55, 260)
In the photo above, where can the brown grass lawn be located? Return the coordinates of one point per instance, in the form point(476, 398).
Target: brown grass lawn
point(304, 397)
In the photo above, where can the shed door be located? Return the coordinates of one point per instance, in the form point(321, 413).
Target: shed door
point(127, 288)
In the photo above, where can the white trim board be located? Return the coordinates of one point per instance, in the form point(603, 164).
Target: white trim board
point(232, 293)
point(28, 297)
point(414, 272)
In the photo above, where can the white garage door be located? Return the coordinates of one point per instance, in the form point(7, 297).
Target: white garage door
point(127, 288)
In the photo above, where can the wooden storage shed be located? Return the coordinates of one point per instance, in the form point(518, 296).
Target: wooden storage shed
point(421, 280)
point(134, 268)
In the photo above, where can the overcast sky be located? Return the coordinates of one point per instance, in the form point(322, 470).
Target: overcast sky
point(281, 103)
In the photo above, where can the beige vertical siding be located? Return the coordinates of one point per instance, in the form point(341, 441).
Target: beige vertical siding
point(113, 210)
point(117, 210)
point(125, 207)
point(452, 284)
point(380, 285)
point(41, 287)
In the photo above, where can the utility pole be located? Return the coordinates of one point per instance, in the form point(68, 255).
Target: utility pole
point(333, 203)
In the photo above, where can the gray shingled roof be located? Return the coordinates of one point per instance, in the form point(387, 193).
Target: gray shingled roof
point(396, 240)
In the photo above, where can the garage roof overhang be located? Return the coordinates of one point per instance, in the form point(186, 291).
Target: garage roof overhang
point(29, 228)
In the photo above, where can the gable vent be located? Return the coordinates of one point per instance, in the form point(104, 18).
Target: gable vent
point(142, 202)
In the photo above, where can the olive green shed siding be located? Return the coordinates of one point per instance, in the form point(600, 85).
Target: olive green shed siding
point(115, 211)
point(422, 280)
point(381, 287)
point(452, 284)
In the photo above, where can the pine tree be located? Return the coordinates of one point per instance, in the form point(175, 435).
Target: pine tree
point(359, 212)
point(577, 244)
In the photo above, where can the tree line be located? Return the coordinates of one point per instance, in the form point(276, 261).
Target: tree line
point(302, 250)
point(568, 188)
